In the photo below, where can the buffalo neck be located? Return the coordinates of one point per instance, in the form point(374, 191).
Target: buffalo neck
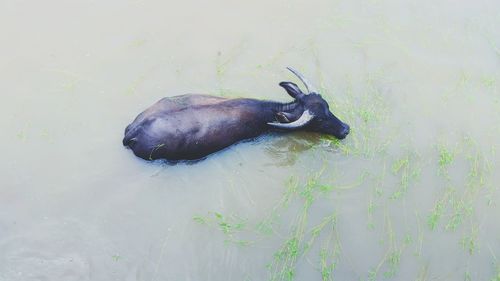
point(266, 111)
point(272, 107)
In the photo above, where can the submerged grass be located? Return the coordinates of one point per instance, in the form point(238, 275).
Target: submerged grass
point(301, 237)
point(446, 157)
point(283, 265)
point(460, 195)
point(469, 242)
point(393, 175)
point(230, 226)
point(496, 276)
point(408, 170)
point(388, 266)
point(329, 254)
point(268, 224)
point(365, 112)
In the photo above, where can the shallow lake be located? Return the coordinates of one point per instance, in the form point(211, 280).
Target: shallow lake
point(411, 194)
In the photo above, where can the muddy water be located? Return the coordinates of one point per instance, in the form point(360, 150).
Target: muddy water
point(411, 194)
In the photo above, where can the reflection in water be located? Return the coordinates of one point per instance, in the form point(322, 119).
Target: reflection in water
point(285, 149)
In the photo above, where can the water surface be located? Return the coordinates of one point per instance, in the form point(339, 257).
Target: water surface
point(411, 194)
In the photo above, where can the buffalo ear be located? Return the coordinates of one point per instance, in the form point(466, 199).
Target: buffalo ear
point(284, 117)
point(292, 89)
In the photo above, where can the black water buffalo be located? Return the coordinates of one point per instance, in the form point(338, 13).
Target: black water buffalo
point(190, 127)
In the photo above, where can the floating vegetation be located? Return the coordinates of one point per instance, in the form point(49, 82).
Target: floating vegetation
point(230, 226)
point(446, 157)
point(408, 170)
point(390, 262)
point(364, 115)
point(301, 237)
point(329, 254)
point(488, 81)
point(299, 243)
point(267, 225)
point(318, 245)
point(300, 240)
point(469, 242)
point(459, 197)
point(497, 275)
point(392, 170)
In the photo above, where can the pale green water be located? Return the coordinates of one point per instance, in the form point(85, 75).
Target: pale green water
point(411, 194)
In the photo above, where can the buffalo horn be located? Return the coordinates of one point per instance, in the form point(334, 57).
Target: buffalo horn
point(305, 118)
point(310, 88)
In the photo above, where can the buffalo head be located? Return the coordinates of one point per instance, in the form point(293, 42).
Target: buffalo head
point(315, 113)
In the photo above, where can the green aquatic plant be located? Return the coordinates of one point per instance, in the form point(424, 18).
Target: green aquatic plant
point(488, 81)
point(365, 111)
point(316, 231)
point(459, 198)
point(480, 168)
point(469, 242)
point(138, 42)
point(371, 208)
point(408, 170)
point(461, 209)
point(393, 263)
point(283, 265)
point(230, 226)
point(266, 226)
point(391, 260)
point(329, 254)
point(298, 244)
point(464, 78)
point(388, 174)
point(437, 211)
point(496, 277)
point(21, 135)
point(422, 274)
point(376, 200)
point(467, 276)
point(326, 268)
point(496, 266)
point(446, 157)
point(420, 236)
point(301, 237)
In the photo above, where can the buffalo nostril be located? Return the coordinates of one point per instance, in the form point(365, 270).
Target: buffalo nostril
point(346, 130)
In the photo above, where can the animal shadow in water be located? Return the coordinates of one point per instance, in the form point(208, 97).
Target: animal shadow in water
point(286, 148)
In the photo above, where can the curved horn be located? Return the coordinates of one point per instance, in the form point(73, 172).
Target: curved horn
point(310, 88)
point(305, 118)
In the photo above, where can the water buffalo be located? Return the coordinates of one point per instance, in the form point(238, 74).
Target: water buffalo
point(190, 127)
